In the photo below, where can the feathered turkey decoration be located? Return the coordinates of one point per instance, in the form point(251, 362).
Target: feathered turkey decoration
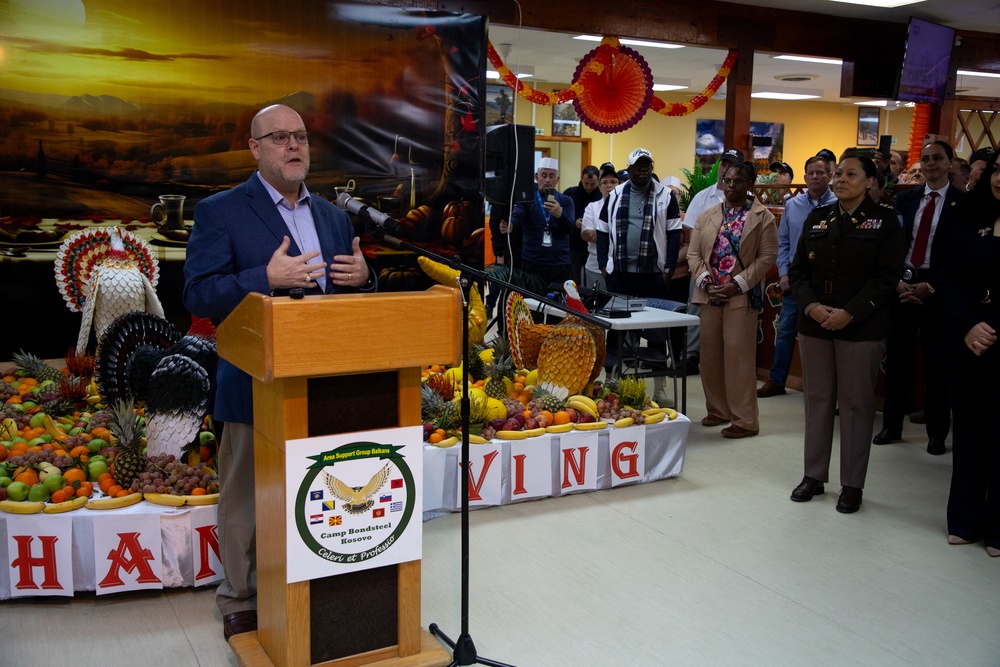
point(106, 272)
point(142, 357)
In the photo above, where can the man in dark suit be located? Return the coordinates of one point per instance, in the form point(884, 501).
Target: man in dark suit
point(268, 235)
point(928, 214)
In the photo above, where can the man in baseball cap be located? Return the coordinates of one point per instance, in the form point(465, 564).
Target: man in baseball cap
point(977, 162)
point(785, 173)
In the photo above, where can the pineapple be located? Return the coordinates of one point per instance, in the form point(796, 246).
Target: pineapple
point(547, 400)
point(501, 370)
point(431, 403)
point(477, 367)
point(566, 360)
point(31, 366)
point(126, 427)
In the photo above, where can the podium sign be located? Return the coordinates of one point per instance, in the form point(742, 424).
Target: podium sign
point(356, 503)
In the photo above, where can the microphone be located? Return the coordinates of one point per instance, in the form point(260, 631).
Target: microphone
point(385, 223)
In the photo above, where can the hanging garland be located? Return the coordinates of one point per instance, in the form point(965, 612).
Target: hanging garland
point(612, 87)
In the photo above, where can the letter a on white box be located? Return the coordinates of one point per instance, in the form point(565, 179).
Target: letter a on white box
point(128, 553)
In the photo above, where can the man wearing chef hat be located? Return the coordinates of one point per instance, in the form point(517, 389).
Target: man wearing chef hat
point(545, 226)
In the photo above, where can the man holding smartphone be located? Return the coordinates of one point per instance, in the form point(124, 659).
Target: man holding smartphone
point(545, 226)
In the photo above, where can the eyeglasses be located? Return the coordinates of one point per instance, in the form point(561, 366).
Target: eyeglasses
point(729, 182)
point(281, 137)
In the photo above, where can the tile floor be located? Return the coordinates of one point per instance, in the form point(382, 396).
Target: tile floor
point(715, 567)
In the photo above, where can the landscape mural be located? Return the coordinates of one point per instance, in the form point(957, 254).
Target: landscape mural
point(107, 104)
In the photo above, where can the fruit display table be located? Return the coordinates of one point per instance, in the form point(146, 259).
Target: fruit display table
point(505, 472)
point(144, 546)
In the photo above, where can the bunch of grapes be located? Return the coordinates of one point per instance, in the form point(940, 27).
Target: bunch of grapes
point(633, 413)
point(7, 390)
point(74, 441)
point(166, 474)
point(102, 419)
point(513, 406)
point(488, 432)
point(35, 458)
point(609, 409)
point(20, 418)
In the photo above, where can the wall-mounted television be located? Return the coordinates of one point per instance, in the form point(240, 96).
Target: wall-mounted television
point(926, 62)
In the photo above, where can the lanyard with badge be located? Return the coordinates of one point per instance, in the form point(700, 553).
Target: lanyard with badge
point(546, 233)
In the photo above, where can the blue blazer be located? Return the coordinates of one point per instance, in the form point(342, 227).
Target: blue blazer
point(234, 236)
point(907, 203)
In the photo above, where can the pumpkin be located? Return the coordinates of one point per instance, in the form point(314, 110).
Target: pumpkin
point(400, 279)
point(454, 230)
point(417, 224)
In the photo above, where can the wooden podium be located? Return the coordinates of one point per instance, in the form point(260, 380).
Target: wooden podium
point(323, 365)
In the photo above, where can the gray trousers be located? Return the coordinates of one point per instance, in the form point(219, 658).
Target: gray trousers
point(237, 521)
point(839, 373)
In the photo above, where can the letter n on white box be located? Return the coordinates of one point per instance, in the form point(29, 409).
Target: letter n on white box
point(485, 476)
point(627, 450)
point(577, 462)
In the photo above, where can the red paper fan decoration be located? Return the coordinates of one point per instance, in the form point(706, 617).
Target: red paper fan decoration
point(617, 97)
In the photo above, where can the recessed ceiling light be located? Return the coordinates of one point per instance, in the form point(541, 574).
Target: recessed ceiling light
point(783, 96)
point(811, 59)
point(667, 86)
point(882, 4)
point(632, 42)
point(493, 74)
point(965, 72)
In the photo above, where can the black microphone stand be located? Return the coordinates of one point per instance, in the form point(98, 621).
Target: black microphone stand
point(464, 649)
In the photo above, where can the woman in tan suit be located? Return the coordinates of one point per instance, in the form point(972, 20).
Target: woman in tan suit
point(732, 247)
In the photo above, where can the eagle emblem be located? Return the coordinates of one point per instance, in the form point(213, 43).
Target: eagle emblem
point(357, 499)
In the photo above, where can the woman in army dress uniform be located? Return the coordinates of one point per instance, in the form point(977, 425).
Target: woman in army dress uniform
point(846, 267)
point(971, 289)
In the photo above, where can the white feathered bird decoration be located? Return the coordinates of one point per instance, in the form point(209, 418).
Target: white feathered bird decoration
point(105, 273)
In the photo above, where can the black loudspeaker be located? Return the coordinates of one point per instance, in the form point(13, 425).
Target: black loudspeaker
point(510, 159)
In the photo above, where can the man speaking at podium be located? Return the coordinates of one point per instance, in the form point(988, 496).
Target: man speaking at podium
point(268, 235)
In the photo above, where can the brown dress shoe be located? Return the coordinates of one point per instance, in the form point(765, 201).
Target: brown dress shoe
point(738, 432)
point(712, 420)
point(850, 500)
point(807, 489)
point(239, 622)
point(770, 388)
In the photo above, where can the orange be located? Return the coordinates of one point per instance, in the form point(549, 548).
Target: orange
point(435, 438)
point(83, 492)
point(3, 452)
point(113, 490)
point(561, 417)
point(18, 449)
point(78, 451)
point(122, 493)
point(199, 492)
point(106, 484)
point(547, 415)
point(74, 475)
point(26, 475)
point(16, 398)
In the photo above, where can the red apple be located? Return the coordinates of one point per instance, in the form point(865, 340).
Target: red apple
point(573, 415)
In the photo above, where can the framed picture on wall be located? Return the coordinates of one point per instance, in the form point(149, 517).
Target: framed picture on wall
point(565, 122)
point(868, 126)
point(499, 105)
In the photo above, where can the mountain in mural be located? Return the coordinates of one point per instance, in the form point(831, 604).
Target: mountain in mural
point(102, 104)
point(301, 101)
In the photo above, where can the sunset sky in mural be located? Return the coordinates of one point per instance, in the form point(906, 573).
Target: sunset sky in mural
point(187, 51)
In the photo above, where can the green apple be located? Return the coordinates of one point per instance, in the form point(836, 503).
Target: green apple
point(38, 493)
point(5, 481)
point(95, 469)
point(96, 445)
point(37, 419)
point(17, 491)
point(47, 437)
point(54, 482)
point(35, 441)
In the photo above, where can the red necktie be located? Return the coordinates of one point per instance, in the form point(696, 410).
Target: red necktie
point(924, 233)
